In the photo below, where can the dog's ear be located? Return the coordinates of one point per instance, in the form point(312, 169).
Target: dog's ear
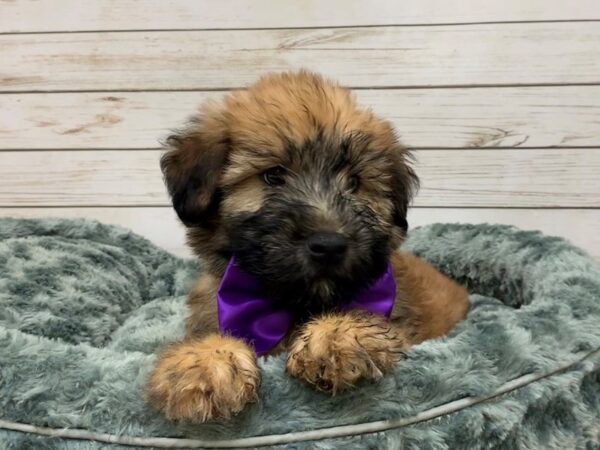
point(405, 183)
point(192, 168)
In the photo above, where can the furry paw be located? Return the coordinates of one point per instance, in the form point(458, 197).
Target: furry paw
point(204, 379)
point(335, 351)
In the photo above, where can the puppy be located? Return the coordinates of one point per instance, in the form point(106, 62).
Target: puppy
point(309, 193)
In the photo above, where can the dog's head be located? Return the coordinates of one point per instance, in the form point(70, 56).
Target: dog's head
point(307, 190)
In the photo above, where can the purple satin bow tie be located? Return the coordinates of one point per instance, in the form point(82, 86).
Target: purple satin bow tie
point(244, 312)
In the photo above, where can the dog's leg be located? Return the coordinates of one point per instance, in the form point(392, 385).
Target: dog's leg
point(199, 380)
point(206, 375)
point(428, 304)
point(334, 351)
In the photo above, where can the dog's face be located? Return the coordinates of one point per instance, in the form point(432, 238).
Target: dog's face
point(305, 189)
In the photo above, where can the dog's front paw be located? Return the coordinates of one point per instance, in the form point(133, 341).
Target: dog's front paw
point(335, 351)
point(204, 379)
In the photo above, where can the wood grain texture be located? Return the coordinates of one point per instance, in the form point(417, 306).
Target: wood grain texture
point(566, 116)
point(579, 226)
point(59, 15)
point(451, 76)
point(160, 225)
point(94, 178)
point(485, 54)
point(474, 178)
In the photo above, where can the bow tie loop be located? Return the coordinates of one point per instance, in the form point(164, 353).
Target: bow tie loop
point(245, 312)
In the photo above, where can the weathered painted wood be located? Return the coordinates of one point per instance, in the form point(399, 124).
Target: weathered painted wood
point(160, 225)
point(485, 54)
point(447, 44)
point(484, 117)
point(474, 178)
point(75, 15)
point(579, 226)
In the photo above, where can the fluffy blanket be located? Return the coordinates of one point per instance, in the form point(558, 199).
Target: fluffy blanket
point(84, 307)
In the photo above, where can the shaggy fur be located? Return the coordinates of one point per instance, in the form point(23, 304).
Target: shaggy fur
point(85, 306)
point(269, 174)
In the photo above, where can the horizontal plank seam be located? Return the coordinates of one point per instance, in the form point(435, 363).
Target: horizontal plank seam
point(539, 147)
point(159, 149)
point(355, 88)
point(166, 205)
point(86, 149)
point(316, 27)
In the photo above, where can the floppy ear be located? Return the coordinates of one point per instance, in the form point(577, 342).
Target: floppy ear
point(404, 185)
point(192, 167)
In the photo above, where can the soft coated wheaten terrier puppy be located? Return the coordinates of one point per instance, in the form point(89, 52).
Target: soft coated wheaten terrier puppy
point(295, 200)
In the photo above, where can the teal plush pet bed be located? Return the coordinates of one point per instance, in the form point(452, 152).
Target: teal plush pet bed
point(84, 307)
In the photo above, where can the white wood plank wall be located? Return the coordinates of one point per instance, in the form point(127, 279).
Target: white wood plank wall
point(499, 99)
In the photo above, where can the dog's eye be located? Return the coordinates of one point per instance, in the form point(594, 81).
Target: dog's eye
point(353, 183)
point(274, 176)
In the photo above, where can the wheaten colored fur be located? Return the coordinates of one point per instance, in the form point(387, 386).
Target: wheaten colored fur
point(213, 170)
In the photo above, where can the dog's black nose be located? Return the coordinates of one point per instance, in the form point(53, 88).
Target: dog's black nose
point(327, 247)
